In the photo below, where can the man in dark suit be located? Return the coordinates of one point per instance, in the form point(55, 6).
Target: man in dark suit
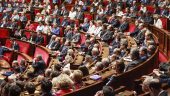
point(63, 11)
point(4, 23)
point(65, 22)
point(55, 19)
point(2, 50)
point(137, 30)
point(56, 10)
point(101, 17)
point(32, 37)
point(79, 14)
point(56, 45)
point(14, 45)
point(85, 25)
point(134, 54)
point(108, 34)
point(76, 37)
point(148, 18)
point(38, 65)
point(125, 25)
point(113, 21)
point(39, 38)
point(52, 42)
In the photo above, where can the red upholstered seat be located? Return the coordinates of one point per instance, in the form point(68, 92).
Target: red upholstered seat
point(45, 39)
point(131, 27)
point(150, 9)
point(28, 16)
point(89, 16)
point(24, 46)
point(43, 52)
point(37, 10)
point(8, 43)
point(164, 22)
point(4, 33)
point(27, 33)
point(61, 32)
point(8, 56)
point(20, 57)
point(83, 38)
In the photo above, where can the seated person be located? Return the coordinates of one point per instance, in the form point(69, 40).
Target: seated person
point(124, 25)
point(39, 38)
point(143, 53)
point(77, 76)
point(105, 62)
point(55, 29)
point(85, 25)
point(95, 54)
point(30, 88)
point(46, 87)
point(14, 45)
point(38, 65)
point(40, 27)
point(76, 37)
point(64, 84)
point(134, 54)
point(108, 35)
point(151, 50)
point(119, 67)
point(52, 42)
point(14, 90)
point(106, 91)
point(84, 70)
point(65, 22)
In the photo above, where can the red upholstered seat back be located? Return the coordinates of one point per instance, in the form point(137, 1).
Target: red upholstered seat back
point(8, 43)
point(131, 27)
point(27, 33)
point(28, 16)
point(164, 22)
point(83, 39)
point(19, 58)
point(8, 56)
point(4, 33)
point(89, 16)
point(45, 39)
point(61, 32)
point(35, 24)
point(23, 46)
point(44, 53)
point(150, 9)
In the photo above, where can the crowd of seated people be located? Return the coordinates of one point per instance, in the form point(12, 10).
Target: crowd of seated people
point(59, 78)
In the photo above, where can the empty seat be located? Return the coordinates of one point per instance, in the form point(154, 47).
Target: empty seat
point(42, 51)
point(5, 33)
point(23, 46)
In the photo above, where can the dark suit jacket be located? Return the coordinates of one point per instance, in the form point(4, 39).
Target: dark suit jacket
point(69, 35)
point(114, 22)
point(64, 23)
point(39, 40)
point(135, 32)
point(64, 12)
point(56, 20)
point(132, 64)
point(165, 12)
point(39, 67)
point(107, 36)
point(124, 26)
point(56, 46)
point(15, 46)
point(149, 20)
point(32, 38)
point(2, 50)
point(79, 15)
point(76, 38)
